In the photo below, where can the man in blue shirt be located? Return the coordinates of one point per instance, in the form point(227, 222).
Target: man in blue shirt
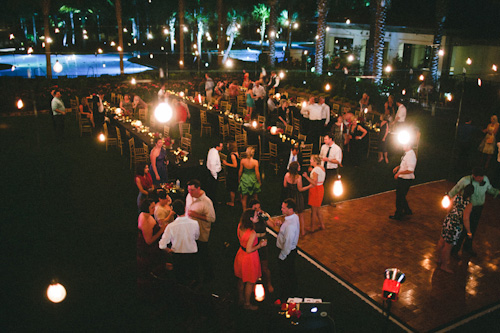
point(482, 186)
point(287, 240)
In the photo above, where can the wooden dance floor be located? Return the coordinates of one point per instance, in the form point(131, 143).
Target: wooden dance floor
point(360, 242)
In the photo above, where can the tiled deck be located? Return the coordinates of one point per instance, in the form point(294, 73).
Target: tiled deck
point(360, 242)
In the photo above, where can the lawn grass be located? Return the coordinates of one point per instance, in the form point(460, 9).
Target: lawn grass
point(69, 212)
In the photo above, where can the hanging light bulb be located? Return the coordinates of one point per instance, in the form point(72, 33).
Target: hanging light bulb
point(133, 81)
point(446, 201)
point(163, 112)
point(338, 189)
point(58, 67)
point(20, 104)
point(56, 292)
point(102, 137)
point(327, 87)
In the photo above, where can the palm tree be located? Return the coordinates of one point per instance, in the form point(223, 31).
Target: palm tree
point(221, 41)
point(46, 10)
point(261, 12)
point(118, 9)
point(368, 67)
point(71, 11)
point(441, 9)
point(379, 39)
point(288, 20)
point(232, 32)
point(181, 33)
point(320, 35)
point(273, 17)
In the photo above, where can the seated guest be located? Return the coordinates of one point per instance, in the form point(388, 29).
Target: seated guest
point(163, 210)
point(183, 234)
point(182, 114)
point(150, 258)
point(144, 182)
point(85, 110)
point(138, 103)
point(284, 114)
point(126, 105)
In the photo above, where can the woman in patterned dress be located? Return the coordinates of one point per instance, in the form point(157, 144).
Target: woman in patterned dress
point(452, 226)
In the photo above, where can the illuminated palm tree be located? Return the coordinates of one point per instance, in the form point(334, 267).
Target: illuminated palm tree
point(261, 12)
point(232, 32)
point(441, 9)
point(221, 40)
point(378, 39)
point(320, 35)
point(273, 18)
point(46, 10)
point(118, 9)
point(181, 33)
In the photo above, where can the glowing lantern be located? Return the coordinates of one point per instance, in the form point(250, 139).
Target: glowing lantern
point(441, 53)
point(58, 67)
point(446, 201)
point(328, 87)
point(421, 77)
point(468, 61)
point(494, 68)
point(133, 81)
point(102, 137)
point(479, 82)
point(181, 94)
point(274, 129)
point(163, 112)
point(338, 189)
point(282, 74)
point(254, 124)
point(260, 293)
point(20, 104)
point(56, 292)
point(388, 68)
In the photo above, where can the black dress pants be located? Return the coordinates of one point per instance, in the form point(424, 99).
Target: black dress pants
point(288, 276)
point(402, 188)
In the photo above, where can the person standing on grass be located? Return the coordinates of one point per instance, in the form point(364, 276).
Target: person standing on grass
point(287, 240)
point(405, 176)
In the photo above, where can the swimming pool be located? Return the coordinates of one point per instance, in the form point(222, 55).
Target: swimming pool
point(31, 65)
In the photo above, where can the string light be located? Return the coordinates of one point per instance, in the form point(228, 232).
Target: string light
point(56, 293)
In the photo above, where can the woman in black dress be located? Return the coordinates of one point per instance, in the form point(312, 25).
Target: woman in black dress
point(232, 166)
point(293, 189)
point(382, 138)
point(357, 133)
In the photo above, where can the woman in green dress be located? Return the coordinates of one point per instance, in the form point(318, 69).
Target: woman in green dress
point(249, 177)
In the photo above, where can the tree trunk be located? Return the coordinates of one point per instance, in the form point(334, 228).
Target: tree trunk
point(320, 41)
point(118, 8)
point(46, 28)
point(441, 7)
point(379, 39)
point(181, 34)
point(34, 30)
point(72, 20)
point(272, 31)
point(368, 67)
point(231, 31)
point(199, 39)
point(171, 24)
point(220, 30)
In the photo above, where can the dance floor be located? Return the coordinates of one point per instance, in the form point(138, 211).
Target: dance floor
point(360, 242)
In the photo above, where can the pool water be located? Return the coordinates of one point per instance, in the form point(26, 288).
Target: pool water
point(74, 65)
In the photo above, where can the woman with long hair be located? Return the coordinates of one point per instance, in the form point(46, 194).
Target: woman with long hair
point(250, 101)
point(232, 166)
point(247, 263)
point(453, 224)
point(85, 111)
point(382, 138)
point(249, 177)
point(144, 182)
point(487, 146)
point(149, 256)
point(292, 182)
point(159, 163)
point(316, 190)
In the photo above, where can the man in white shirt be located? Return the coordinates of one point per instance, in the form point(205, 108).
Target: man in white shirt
point(325, 114)
point(182, 233)
point(209, 88)
point(287, 240)
point(404, 175)
point(331, 155)
point(162, 94)
point(58, 111)
point(214, 167)
point(401, 113)
point(273, 83)
point(260, 94)
point(316, 124)
point(201, 208)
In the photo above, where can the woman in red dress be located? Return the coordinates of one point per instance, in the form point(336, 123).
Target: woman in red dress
point(316, 190)
point(247, 263)
point(182, 113)
point(144, 183)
